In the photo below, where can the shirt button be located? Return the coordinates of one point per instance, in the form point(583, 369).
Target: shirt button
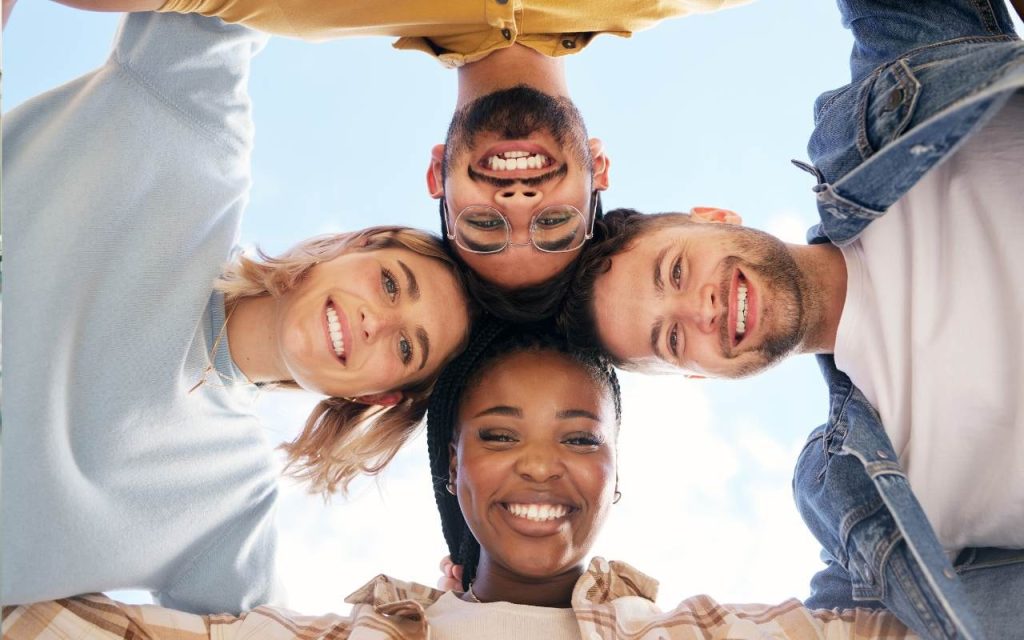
point(883, 455)
point(949, 573)
point(569, 44)
point(506, 34)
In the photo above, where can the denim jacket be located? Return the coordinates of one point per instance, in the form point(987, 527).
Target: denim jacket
point(925, 76)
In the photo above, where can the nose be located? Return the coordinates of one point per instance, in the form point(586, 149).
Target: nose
point(700, 309)
point(377, 322)
point(539, 463)
point(518, 202)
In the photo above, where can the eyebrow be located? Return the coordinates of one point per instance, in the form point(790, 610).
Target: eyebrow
point(659, 285)
point(656, 338)
point(424, 340)
point(576, 413)
point(501, 183)
point(501, 410)
point(413, 287)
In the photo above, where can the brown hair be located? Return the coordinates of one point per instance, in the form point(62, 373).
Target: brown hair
point(615, 233)
point(342, 438)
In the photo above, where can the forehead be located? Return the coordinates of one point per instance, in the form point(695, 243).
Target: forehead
point(538, 383)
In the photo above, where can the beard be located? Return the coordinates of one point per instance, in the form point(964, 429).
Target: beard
point(786, 287)
point(515, 114)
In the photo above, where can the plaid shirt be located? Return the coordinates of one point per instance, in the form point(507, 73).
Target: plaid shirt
point(611, 600)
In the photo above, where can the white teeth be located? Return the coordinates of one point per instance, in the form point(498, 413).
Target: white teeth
point(516, 160)
point(538, 512)
point(334, 328)
point(741, 310)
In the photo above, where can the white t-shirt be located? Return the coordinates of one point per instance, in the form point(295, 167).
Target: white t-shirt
point(931, 334)
point(453, 619)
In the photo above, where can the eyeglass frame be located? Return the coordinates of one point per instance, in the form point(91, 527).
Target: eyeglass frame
point(596, 211)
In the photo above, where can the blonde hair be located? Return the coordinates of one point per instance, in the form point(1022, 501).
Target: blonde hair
point(342, 437)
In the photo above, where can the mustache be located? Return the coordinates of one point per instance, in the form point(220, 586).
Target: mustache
point(502, 183)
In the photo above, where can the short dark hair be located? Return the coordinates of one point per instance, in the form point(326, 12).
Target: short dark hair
point(615, 233)
point(492, 340)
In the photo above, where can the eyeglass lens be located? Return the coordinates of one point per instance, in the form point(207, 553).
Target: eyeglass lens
point(555, 229)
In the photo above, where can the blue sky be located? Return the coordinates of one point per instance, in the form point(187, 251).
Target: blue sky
point(706, 110)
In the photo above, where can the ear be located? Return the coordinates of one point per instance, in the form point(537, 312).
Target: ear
point(386, 399)
point(453, 462)
point(601, 164)
point(435, 183)
point(714, 214)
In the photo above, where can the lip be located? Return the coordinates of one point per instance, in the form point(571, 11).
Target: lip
point(531, 528)
point(481, 165)
point(346, 334)
point(739, 277)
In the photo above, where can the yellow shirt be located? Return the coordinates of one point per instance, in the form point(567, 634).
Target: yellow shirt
point(454, 31)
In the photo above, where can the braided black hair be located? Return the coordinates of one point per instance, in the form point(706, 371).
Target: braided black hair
point(492, 339)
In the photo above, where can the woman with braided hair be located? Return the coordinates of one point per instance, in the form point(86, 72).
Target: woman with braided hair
point(521, 436)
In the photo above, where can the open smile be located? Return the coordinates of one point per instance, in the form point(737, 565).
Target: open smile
point(742, 309)
point(537, 518)
point(337, 331)
point(515, 160)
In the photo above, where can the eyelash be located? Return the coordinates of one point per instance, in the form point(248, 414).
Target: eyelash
point(578, 440)
point(389, 283)
point(392, 289)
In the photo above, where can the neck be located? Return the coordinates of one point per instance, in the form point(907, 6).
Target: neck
point(824, 268)
point(494, 583)
point(252, 339)
point(510, 67)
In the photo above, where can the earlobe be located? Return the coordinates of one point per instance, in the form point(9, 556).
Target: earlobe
point(386, 399)
point(435, 181)
point(602, 164)
point(716, 215)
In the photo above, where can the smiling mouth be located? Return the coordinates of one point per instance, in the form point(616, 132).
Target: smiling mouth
point(335, 333)
point(517, 161)
point(538, 512)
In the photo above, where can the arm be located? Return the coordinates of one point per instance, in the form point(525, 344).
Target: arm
point(111, 5)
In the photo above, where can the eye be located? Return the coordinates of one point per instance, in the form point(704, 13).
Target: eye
point(584, 440)
point(389, 283)
point(677, 273)
point(485, 223)
point(673, 340)
point(554, 219)
point(405, 349)
point(497, 436)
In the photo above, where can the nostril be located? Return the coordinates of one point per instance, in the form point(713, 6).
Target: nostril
point(530, 194)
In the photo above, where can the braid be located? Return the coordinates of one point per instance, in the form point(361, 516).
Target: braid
point(491, 339)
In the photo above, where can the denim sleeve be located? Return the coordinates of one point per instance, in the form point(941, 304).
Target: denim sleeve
point(197, 67)
point(884, 30)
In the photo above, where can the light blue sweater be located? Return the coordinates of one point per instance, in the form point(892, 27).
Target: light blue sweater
point(123, 193)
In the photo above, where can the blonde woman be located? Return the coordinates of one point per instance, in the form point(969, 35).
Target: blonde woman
point(132, 457)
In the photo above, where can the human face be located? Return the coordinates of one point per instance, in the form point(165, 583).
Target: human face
point(397, 316)
point(481, 164)
point(534, 463)
point(676, 297)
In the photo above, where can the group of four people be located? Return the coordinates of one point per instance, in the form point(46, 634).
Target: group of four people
point(132, 455)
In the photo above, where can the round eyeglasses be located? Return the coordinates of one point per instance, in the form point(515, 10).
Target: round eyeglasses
point(556, 229)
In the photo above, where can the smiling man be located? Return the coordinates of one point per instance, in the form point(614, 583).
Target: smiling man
point(518, 179)
point(914, 313)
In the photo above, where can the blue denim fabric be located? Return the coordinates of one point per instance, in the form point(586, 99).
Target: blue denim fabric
point(925, 76)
